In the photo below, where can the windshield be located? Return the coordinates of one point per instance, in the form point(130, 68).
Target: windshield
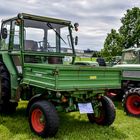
point(130, 57)
point(47, 37)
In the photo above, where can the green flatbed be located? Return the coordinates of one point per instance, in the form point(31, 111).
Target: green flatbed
point(71, 78)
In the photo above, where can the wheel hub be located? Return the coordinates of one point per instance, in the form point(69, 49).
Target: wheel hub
point(42, 119)
point(136, 104)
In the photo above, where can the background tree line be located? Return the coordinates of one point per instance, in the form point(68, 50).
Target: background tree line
point(128, 35)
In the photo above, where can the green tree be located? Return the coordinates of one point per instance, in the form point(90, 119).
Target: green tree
point(130, 28)
point(112, 45)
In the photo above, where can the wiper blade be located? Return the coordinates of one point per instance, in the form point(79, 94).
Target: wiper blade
point(51, 27)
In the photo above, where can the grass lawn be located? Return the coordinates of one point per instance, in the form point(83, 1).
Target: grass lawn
point(73, 126)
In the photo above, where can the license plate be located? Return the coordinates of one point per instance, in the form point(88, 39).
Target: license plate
point(85, 108)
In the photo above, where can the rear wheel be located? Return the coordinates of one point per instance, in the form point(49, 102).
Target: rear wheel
point(131, 102)
point(43, 119)
point(106, 112)
point(5, 106)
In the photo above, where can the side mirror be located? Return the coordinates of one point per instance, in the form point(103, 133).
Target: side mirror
point(76, 25)
point(76, 40)
point(4, 33)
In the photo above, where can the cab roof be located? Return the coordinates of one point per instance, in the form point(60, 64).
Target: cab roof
point(40, 18)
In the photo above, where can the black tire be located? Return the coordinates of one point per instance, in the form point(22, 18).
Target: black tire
point(131, 102)
point(6, 106)
point(43, 119)
point(107, 112)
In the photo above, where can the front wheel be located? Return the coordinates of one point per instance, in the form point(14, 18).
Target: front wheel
point(131, 102)
point(43, 119)
point(105, 112)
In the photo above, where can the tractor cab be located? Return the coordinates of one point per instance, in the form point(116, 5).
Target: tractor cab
point(35, 39)
point(131, 56)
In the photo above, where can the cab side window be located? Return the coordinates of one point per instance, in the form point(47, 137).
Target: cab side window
point(16, 37)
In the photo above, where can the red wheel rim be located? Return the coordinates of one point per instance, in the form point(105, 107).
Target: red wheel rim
point(38, 121)
point(133, 104)
point(100, 118)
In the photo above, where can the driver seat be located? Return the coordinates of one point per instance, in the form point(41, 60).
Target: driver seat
point(54, 60)
point(31, 45)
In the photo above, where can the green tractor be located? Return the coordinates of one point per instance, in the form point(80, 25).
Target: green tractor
point(130, 92)
point(37, 58)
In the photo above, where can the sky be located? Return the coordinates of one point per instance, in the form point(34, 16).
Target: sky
point(96, 18)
